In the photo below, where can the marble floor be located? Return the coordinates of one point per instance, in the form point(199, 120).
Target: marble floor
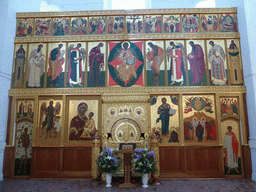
point(182, 185)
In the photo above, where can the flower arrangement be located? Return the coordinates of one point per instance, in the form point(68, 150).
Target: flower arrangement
point(108, 161)
point(144, 161)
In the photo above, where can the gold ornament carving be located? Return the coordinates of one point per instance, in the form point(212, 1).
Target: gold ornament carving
point(95, 154)
point(127, 12)
point(121, 94)
point(74, 38)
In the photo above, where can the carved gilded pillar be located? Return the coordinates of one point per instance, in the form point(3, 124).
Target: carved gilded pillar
point(155, 148)
point(95, 154)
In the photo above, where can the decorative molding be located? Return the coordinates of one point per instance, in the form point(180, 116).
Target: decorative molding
point(108, 37)
point(130, 91)
point(127, 12)
point(125, 97)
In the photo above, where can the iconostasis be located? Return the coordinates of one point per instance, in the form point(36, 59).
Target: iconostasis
point(172, 75)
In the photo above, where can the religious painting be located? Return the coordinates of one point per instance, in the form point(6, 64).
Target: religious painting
point(61, 26)
point(43, 26)
point(175, 58)
point(97, 25)
point(199, 119)
point(196, 62)
point(24, 27)
point(76, 64)
point(228, 23)
point(134, 24)
point(49, 122)
point(209, 23)
point(96, 67)
point(155, 63)
point(165, 118)
point(172, 23)
point(25, 109)
point(83, 119)
point(125, 64)
point(229, 107)
point(115, 24)
point(36, 65)
point(217, 62)
point(235, 65)
point(79, 26)
point(56, 65)
point(231, 147)
point(190, 23)
point(152, 23)
point(23, 148)
point(20, 51)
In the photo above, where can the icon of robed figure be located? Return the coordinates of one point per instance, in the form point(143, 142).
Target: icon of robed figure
point(82, 127)
point(96, 66)
point(19, 67)
point(24, 140)
point(165, 111)
point(175, 56)
point(50, 127)
point(155, 56)
point(56, 61)
point(231, 147)
point(197, 63)
point(217, 63)
point(35, 68)
point(76, 58)
point(125, 63)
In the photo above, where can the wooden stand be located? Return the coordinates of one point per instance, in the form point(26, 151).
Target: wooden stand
point(127, 168)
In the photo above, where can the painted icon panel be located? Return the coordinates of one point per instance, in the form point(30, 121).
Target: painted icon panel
point(175, 58)
point(23, 148)
point(231, 147)
point(125, 63)
point(115, 24)
point(79, 26)
point(49, 122)
point(235, 64)
point(190, 23)
point(172, 24)
point(217, 62)
point(36, 65)
point(24, 27)
point(25, 110)
point(96, 68)
point(196, 62)
point(43, 26)
point(209, 23)
point(199, 119)
point(152, 23)
point(61, 26)
point(19, 65)
point(229, 107)
point(134, 24)
point(76, 64)
point(56, 65)
point(83, 119)
point(228, 23)
point(155, 63)
point(165, 118)
point(97, 25)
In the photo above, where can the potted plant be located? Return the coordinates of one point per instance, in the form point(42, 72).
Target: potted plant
point(144, 163)
point(108, 163)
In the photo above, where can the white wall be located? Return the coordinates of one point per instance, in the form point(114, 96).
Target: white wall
point(246, 21)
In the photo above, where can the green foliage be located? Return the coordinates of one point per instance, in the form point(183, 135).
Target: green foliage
point(144, 161)
point(108, 161)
